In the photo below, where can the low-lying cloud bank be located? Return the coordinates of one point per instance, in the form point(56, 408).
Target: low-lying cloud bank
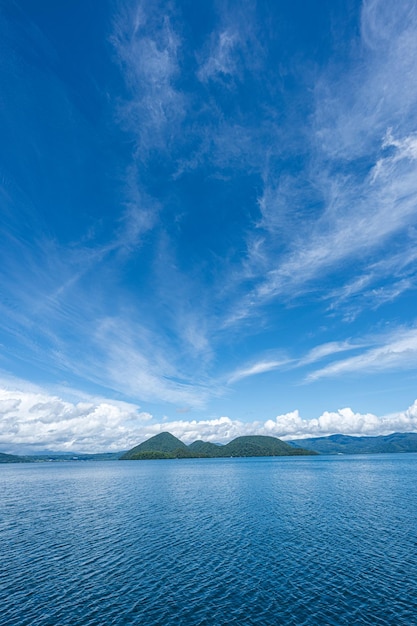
point(35, 421)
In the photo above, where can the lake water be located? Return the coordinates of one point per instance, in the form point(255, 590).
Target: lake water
point(303, 541)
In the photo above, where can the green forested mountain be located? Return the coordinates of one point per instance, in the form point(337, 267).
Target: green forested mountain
point(205, 448)
point(166, 445)
point(346, 444)
point(259, 445)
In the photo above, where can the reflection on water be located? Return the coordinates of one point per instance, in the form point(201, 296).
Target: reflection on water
point(316, 540)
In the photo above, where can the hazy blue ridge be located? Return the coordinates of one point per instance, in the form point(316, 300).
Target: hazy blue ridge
point(75, 456)
point(346, 444)
point(59, 457)
point(13, 458)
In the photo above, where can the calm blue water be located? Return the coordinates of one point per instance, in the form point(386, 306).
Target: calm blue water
point(324, 540)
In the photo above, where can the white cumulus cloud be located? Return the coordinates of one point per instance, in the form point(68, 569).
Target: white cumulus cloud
point(38, 420)
point(33, 420)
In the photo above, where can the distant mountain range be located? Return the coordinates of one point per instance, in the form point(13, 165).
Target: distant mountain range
point(59, 456)
point(13, 458)
point(166, 446)
point(345, 444)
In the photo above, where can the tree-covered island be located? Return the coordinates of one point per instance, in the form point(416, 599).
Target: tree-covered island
point(166, 446)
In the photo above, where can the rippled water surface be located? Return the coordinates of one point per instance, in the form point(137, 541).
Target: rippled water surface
point(320, 540)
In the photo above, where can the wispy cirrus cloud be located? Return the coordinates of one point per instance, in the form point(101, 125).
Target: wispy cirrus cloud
point(357, 201)
point(397, 351)
point(260, 367)
point(356, 221)
point(147, 48)
point(139, 362)
point(223, 150)
point(221, 61)
point(233, 46)
point(381, 282)
point(103, 344)
point(354, 110)
point(328, 349)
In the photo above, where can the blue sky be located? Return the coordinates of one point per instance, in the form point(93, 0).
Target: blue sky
point(208, 220)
